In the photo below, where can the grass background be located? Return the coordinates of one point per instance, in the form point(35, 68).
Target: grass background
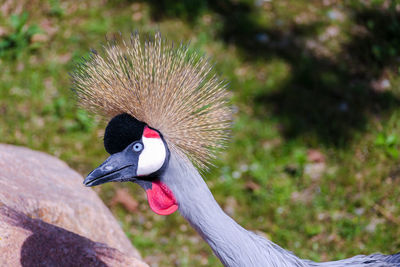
point(314, 159)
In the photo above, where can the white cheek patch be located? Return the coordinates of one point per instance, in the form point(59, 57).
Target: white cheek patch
point(152, 157)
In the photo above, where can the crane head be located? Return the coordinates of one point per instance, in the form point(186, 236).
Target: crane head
point(163, 98)
point(138, 154)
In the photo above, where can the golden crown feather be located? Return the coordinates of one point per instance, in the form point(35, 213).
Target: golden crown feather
point(171, 88)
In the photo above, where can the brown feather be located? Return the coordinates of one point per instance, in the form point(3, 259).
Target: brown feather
point(170, 88)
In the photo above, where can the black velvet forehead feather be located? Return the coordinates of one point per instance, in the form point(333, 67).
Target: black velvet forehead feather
point(121, 131)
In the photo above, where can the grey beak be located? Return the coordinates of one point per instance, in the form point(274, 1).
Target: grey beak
point(119, 167)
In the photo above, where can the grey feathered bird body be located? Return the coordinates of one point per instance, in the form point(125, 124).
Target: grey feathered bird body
point(234, 245)
point(175, 92)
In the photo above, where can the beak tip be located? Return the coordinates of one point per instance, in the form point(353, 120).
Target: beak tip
point(87, 182)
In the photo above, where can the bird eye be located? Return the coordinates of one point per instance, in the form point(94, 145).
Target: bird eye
point(137, 147)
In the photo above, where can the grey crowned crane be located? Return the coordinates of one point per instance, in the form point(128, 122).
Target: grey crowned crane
point(170, 113)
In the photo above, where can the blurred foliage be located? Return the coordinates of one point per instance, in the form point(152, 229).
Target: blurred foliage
point(313, 163)
point(19, 39)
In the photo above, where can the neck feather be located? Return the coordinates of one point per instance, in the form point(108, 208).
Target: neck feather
point(232, 244)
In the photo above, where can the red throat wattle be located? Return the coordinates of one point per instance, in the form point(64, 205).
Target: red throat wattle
point(161, 199)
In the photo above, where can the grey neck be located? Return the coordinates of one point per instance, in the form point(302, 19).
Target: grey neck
point(232, 244)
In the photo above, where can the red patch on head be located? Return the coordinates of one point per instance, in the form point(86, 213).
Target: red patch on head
point(149, 133)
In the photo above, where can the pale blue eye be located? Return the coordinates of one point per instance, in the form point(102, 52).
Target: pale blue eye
point(137, 147)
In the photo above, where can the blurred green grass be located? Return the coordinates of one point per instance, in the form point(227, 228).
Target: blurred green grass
point(313, 163)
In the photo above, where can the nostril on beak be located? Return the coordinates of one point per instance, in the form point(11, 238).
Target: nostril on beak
point(108, 167)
